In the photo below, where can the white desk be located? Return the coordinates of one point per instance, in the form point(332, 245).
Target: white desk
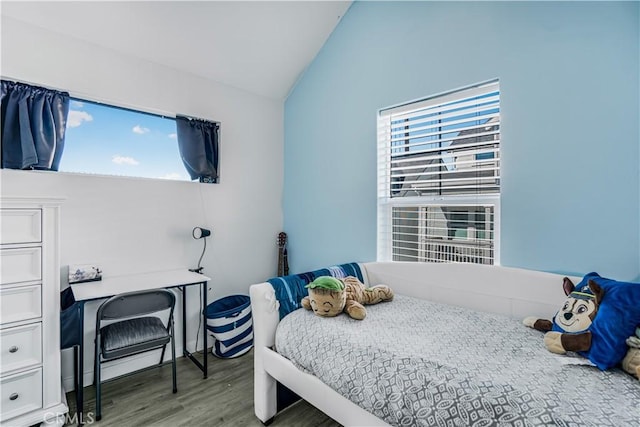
point(110, 286)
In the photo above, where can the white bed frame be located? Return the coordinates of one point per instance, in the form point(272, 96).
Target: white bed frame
point(514, 292)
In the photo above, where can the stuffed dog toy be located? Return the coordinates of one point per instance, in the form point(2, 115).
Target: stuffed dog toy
point(596, 321)
point(329, 296)
point(569, 330)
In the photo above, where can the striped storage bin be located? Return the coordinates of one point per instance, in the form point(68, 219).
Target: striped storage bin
point(229, 321)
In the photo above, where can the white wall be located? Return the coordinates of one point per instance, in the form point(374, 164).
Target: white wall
point(129, 225)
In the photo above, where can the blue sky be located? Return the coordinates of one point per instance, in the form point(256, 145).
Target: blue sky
point(113, 141)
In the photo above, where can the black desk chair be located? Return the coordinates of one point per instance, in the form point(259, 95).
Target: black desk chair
point(133, 335)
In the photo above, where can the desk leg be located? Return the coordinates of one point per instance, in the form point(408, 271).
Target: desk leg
point(204, 325)
point(185, 352)
point(80, 370)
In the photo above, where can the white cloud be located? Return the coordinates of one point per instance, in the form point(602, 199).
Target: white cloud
point(173, 135)
point(76, 117)
point(77, 104)
point(172, 175)
point(140, 130)
point(122, 160)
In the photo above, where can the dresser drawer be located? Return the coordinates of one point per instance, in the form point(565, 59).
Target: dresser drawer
point(20, 226)
point(20, 347)
point(20, 265)
point(20, 303)
point(20, 393)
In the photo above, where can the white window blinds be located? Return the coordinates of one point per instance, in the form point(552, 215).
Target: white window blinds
point(439, 177)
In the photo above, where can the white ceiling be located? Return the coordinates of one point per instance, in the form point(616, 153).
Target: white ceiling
point(259, 46)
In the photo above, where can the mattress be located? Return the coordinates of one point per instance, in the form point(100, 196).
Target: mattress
point(413, 362)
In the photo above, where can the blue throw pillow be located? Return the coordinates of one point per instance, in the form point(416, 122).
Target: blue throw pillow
point(617, 318)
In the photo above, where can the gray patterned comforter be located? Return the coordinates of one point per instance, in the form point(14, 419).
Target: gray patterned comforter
point(416, 363)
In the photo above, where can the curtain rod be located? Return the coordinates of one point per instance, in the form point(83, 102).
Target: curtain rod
point(104, 101)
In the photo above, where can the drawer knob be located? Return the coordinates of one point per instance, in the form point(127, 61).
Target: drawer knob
point(13, 396)
point(13, 349)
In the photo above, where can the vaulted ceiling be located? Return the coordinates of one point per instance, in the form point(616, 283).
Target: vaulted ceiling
point(259, 46)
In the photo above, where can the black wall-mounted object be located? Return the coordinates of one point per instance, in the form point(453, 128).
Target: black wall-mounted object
point(200, 233)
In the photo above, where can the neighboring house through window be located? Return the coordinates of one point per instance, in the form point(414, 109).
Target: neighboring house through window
point(439, 178)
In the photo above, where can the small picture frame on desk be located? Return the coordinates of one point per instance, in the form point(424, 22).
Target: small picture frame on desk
point(81, 273)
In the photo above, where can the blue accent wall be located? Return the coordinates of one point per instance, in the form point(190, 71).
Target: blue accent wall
point(569, 78)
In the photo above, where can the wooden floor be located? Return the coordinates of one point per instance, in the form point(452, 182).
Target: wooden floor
point(225, 398)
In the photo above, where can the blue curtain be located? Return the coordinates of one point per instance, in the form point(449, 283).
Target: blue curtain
point(33, 126)
point(198, 143)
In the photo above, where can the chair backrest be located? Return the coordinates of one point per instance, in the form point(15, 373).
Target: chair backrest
point(136, 303)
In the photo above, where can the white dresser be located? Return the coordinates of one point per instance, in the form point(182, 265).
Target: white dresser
point(30, 384)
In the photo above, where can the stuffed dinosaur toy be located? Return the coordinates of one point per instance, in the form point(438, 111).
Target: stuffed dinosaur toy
point(595, 320)
point(329, 296)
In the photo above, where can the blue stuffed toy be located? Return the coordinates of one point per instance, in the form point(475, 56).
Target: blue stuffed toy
point(595, 320)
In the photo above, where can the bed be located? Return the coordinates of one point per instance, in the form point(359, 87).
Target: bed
point(474, 364)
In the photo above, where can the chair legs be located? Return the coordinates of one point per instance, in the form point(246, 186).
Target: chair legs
point(96, 370)
point(173, 356)
point(162, 355)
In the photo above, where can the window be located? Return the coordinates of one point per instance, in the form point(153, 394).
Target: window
point(106, 140)
point(439, 178)
point(102, 139)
